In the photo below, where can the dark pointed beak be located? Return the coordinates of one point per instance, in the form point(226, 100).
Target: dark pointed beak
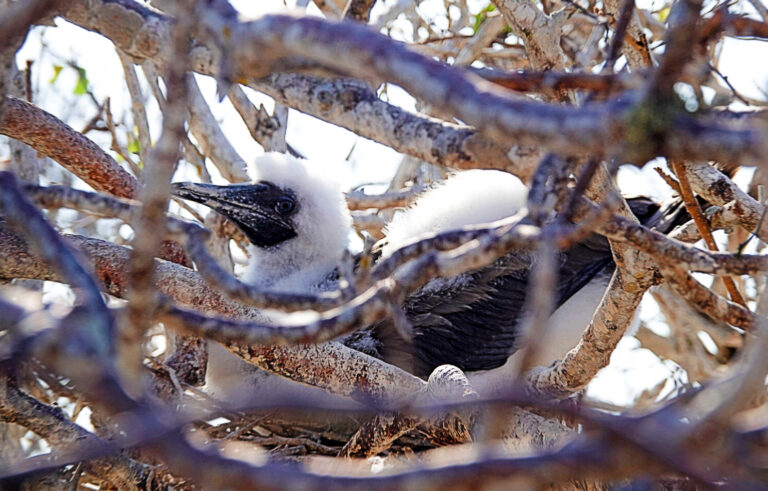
point(252, 207)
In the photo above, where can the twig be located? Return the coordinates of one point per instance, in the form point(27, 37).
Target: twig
point(625, 15)
point(701, 223)
point(445, 384)
point(358, 200)
point(728, 83)
point(211, 138)
point(359, 10)
point(20, 16)
point(159, 168)
point(115, 143)
point(671, 182)
point(535, 81)
point(137, 106)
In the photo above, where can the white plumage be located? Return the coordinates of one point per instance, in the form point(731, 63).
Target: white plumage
point(465, 198)
point(298, 265)
point(322, 222)
point(482, 196)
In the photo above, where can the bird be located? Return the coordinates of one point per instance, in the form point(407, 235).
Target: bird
point(297, 222)
point(299, 226)
point(473, 320)
point(294, 216)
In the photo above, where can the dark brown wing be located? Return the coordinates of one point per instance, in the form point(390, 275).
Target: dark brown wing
point(471, 320)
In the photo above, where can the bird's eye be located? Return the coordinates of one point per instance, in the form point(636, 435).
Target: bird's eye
point(285, 205)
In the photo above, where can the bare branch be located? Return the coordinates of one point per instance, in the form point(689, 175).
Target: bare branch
point(352, 105)
point(485, 35)
point(359, 10)
point(87, 330)
point(137, 105)
point(65, 436)
point(159, 169)
point(695, 211)
point(210, 137)
point(317, 365)
point(585, 124)
point(572, 130)
point(265, 129)
point(718, 189)
point(396, 199)
point(625, 15)
point(540, 32)
point(709, 302)
point(733, 25)
point(46, 134)
point(631, 39)
point(20, 16)
point(593, 352)
point(534, 81)
point(680, 44)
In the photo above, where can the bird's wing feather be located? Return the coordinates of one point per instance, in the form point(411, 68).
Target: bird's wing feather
point(471, 320)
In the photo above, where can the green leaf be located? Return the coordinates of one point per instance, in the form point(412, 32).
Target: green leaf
point(56, 72)
point(81, 87)
point(481, 16)
point(134, 147)
point(663, 14)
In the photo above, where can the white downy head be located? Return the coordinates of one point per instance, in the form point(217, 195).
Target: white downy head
point(322, 223)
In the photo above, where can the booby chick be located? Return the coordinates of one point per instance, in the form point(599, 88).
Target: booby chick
point(294, 216)
point(298, 224)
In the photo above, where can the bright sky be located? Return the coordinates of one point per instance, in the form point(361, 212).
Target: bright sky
point(743, 61)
